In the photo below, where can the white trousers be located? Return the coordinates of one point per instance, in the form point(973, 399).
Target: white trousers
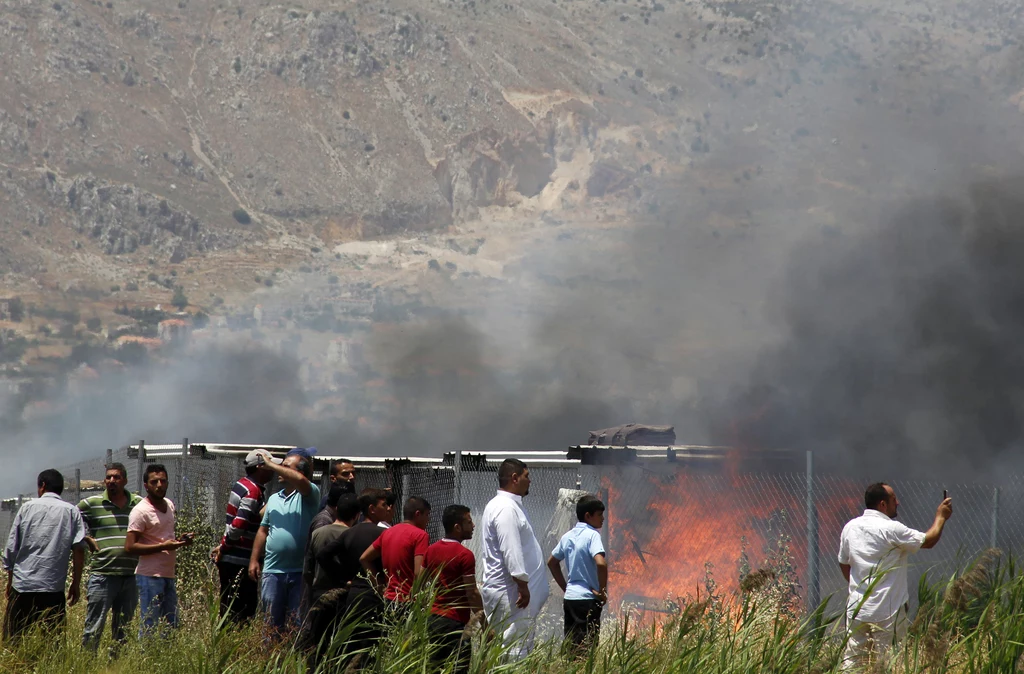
point(517, 626)
point(868, 642)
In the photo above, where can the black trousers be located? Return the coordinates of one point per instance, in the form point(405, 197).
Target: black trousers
point(582, 622)
point(448, 634)
point(26, 609)
point(239, 594)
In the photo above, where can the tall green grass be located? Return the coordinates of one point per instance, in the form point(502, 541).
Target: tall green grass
point(971, 622)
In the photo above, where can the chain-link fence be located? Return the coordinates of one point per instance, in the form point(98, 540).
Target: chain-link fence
point(672, 531)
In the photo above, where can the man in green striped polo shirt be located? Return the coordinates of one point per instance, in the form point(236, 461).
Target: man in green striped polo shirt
point(111, 585)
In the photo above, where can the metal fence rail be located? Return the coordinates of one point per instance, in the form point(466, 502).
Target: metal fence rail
point(672, 531)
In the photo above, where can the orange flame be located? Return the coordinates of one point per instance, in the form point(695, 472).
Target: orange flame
point(664, 530)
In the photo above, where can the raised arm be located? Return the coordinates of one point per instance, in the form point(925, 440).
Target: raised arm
point(942, 515)
point(290, 476)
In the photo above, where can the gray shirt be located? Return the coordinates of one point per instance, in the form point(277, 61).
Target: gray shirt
point(43, 533)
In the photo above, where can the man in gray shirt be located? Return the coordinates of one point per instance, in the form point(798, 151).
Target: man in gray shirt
point(45, 532)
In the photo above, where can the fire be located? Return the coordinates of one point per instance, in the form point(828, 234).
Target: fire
point(668, 532)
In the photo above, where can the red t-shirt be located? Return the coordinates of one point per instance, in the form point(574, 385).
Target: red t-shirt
point(399, 546)
point(450, 561)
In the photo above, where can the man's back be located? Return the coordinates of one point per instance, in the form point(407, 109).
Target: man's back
point(577, 548)
point(241, 521)
point(450, 562)
point(508, 535)
point(39, 547)
point(876, 548)
point(399, 546)
point(323, 580)
point(341, 557)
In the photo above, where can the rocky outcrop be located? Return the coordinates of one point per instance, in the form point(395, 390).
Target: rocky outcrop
point(488, 168)
point(122, 218)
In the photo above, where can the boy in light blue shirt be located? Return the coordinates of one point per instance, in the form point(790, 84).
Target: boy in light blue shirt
point(586, 589)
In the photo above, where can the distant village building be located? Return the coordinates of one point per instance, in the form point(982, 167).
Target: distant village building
point(174, 331)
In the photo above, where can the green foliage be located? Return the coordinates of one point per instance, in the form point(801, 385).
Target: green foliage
point(200, 319)
point(94, 324)
point(968, 623)
point(241, 216)
point(131, 286)
point(179, 299)
point(16, 308)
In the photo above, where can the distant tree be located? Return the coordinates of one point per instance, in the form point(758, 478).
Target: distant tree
point(132, 353)
point(94, 324)
point(179, 300)
point(200, 319)
point(242, 216)
point(17, 309)
point(131, 286)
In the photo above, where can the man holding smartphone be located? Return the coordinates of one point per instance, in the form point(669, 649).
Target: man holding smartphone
point(151, 537)
point(873, 552)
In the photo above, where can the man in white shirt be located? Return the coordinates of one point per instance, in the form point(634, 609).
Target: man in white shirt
point(873, 553)
point(515, 584)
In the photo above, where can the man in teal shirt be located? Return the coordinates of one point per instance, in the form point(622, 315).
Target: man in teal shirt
point(282, 537)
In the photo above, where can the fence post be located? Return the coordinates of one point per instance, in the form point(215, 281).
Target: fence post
point(458, 476)
point(109, 459)
point(179, 495)
point(140, 467)
point(813, 591)
point(994, 534)
point(78, 485)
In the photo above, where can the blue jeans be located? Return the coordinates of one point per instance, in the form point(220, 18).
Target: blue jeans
point(104, 594)
point(280, 594)
point(158, 600)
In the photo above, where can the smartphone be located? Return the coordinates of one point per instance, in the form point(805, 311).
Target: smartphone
point(944, 495)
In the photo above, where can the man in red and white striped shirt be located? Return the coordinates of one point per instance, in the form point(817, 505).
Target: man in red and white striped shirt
point(239, 594)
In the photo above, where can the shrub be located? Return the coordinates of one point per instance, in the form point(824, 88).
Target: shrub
point(94, 324)
point(115, 288)
point(17, 309)
point(131, 286)
point(179, 299)
point(332, 279)
point(241, 216)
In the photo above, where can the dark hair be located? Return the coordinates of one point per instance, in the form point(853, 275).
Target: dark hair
point(348, 507)
point(118, 467)
point(370, 497)
point(588, 505)
point(390, 497)
point(507, 469)
point(413, 505)
point(251, 470)
point(336, 492)
point(51, 480)
point(453, 515)
point(875, 493)
point(153, 468)
point(304, 466)
point(337, 464)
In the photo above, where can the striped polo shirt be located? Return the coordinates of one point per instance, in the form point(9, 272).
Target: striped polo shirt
point(241, 521)
point(108, 525)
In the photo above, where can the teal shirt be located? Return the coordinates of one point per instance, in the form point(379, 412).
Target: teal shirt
point(288, 518)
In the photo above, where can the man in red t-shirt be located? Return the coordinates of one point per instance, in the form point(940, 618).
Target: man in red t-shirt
point(454, 567)
point(401, 549)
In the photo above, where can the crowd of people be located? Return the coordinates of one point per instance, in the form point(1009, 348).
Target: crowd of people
point(305, 564)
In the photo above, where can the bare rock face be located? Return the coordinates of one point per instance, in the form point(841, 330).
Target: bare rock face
point(123, 218)
point(486, 167)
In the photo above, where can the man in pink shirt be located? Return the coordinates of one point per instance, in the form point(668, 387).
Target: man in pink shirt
point(151, 537)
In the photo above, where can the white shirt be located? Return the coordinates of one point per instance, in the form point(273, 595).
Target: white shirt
point(876, 547)
point(511, 549)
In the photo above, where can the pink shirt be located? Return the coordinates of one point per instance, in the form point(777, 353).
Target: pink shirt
point(154, 527)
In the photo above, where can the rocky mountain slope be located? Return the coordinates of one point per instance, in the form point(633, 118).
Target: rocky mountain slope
point(429, 152)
